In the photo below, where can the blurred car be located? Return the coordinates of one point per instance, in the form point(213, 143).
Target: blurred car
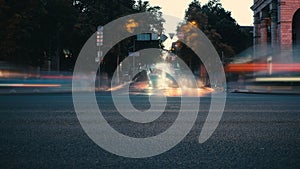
point(161, 79)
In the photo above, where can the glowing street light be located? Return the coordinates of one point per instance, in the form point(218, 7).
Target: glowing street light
point(131, 25)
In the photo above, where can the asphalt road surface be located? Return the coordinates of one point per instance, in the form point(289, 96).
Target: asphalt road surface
point(256, 131)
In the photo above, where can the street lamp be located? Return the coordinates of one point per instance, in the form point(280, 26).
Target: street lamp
point(194, 23)
point(131, 25)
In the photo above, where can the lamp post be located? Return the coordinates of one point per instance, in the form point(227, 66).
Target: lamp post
point(130, 27)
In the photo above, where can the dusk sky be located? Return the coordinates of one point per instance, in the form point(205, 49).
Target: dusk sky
point(240, 9)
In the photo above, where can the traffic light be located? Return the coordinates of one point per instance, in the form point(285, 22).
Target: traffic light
point(99, 43)
point(99, 39)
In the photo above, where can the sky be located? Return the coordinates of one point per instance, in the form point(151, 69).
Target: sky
point(240, 9)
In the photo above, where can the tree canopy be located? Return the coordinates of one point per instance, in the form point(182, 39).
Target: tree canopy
point(218, 25)
point(34, 31)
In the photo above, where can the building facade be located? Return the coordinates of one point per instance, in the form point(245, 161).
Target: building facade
point(277, 24)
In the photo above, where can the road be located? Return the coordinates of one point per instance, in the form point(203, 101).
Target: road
point(256, 131)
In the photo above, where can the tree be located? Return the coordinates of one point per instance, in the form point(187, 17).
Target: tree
point(34, 31)
point(217, 24)
point(154, 23)
point(205, 17)
point(222, 21)
point(18, 29)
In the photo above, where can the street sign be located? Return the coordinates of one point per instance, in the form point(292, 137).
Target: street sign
point(143, 37)
point(99, 55)
point(171, 35)
point(163, 37)
point(97, 59)
point(100, 28)
point(154, 36)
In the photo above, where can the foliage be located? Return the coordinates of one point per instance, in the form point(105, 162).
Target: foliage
point(231, 39)
point(35, 31)
point(218, 25)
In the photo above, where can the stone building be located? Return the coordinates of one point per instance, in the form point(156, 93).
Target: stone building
point(277, 24)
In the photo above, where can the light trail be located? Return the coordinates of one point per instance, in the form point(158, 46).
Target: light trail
point(256, 67)
point(29, 85)
point(277, 79)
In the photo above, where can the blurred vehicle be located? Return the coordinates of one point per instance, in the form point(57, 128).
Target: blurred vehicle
point(35, 83)
point(161, 79)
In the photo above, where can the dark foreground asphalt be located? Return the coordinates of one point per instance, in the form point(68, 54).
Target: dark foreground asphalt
point(256, 131)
